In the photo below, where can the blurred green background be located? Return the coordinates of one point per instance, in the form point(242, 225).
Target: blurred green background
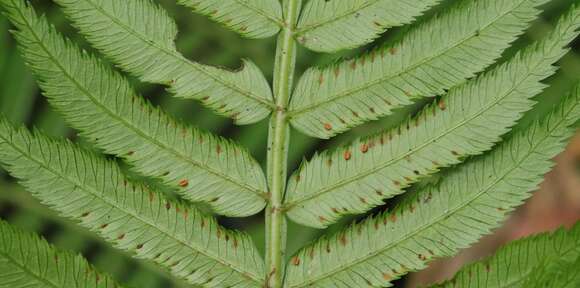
point(206, 42)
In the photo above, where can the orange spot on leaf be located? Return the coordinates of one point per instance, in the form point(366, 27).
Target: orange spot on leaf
point(364, 148)
point(295, 261)
point(347, 155)
point(442, 105)
point(183, 183)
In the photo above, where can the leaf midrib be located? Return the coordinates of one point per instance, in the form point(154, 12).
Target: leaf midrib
point(522, 277)
point(426, 143)
point(305, 109)
point(92, 190)
point(275, 20)
point(443, 216)
point(138, 131)
point(310, 27)
point(174, 54)
point(28, 271)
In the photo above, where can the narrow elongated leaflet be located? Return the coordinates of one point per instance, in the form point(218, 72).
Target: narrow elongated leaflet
point(26, 260)
point(433, 56)
point(545, 260)
point(467, 121)
point(437, 220)
point(87, 188)
point(330, 26)
point(103, 106)
point(250, 18)
point(138, 36)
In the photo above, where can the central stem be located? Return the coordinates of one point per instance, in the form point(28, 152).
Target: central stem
point(279, 136)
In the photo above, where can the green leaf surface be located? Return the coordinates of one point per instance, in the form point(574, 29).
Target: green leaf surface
point(438, 220)
point(87, 188)
point(433, 56)
point(467, 121)
point(103, 106)
point(138, 36)
point(330, 26)
point(545, 260)
point(28, 261)
point(251, 18)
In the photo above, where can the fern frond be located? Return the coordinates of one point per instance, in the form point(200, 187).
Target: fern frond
point(84, 187)
point(330, 26)
point(103, 106)
point(433, 56)
point(139, 36)
point(438, 220)
point(26, 260)
point(250, 18)
point(523, 262)
point(467, 121)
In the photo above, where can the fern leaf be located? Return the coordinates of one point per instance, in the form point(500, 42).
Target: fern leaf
point(467, 121)
point(250, 18)
point(523, 262)
point(139, 36)
point(436, 55)
point(102, 105)
point(26, 260)
point(437, 221)
point(330, 26)
point(84, 187)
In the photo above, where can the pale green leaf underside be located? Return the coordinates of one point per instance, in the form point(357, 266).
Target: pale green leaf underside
point(467, 121)
point(103, 106)
point(527, 263)
point(28, 261)
point(84, 187)
point(434, 55)
point(138, 36)
point(330, 26)
point(250, 18)
point(437, 221)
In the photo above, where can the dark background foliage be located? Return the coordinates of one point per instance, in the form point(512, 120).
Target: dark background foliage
point(557, 202)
